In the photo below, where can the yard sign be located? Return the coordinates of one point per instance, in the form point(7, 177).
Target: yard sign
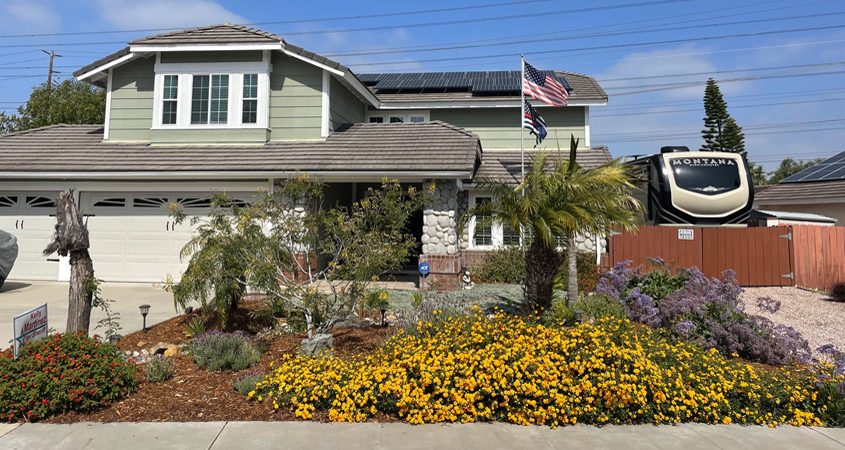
point(30, 326)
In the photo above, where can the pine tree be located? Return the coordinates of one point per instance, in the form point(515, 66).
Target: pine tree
point(733, 139)
point(721, 132)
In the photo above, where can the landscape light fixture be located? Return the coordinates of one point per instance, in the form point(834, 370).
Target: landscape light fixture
point(145, 309)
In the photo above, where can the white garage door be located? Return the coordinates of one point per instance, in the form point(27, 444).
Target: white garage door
point(134, 239)
point(30, 216)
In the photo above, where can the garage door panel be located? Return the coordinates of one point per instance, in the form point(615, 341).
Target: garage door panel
point(28, 216)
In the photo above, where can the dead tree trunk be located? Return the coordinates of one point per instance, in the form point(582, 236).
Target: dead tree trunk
point(71, 239)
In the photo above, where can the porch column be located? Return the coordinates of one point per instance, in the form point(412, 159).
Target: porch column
point(440, 247)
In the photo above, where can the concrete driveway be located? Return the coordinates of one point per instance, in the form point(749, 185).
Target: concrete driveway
point(19, 296)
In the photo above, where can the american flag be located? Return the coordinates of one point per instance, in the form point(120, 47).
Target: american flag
point(544, 87)
point(534, 122)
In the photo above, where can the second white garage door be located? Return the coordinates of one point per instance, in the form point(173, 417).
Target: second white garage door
point(133, 238)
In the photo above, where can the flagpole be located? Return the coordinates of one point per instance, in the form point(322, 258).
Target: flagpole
point(522, 115)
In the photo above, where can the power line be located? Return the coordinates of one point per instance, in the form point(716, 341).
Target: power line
point(684, 85)
point(778, 94)
point(747, 127)
point(750, 69)
point(615, 46)
point(532, 38)
point(294, 21)
point(693, 135)
point(643, 113)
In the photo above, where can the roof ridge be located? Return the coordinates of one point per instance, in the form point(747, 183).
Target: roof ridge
point(236, 26)
point(454, 127)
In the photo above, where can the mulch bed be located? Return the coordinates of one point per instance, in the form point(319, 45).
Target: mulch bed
point(195, 394)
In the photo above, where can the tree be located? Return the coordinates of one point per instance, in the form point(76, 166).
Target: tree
point(758, 175)
point(789, 167)
point(71, 239)
point(71, 101)
point(556, 201)
point(721, 133)
point(317, 262)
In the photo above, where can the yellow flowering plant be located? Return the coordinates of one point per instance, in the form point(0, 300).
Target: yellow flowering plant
point(505, 368)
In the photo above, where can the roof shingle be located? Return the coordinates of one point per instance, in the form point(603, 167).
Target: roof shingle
point(226, 33)
point(791, 193)
point(366, 148)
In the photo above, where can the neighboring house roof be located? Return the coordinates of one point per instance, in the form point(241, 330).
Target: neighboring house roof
point(806, 192)
point(830, 169)
point(792, 216)
point(499, 165)
point(77, 150)
point(479, 87)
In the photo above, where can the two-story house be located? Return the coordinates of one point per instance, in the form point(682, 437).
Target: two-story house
point(236, 109)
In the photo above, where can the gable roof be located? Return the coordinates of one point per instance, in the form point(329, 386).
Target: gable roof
point(436, 149)
point(226, 33)
point(830, 169)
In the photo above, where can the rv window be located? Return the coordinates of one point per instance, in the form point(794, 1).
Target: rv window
point(710, 176)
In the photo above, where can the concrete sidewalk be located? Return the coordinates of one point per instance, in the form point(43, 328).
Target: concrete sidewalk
point(312, 436)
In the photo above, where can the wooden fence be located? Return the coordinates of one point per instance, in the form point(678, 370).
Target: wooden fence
point(799, 255)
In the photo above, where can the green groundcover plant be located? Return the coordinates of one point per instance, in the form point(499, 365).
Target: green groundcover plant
point(59, 374)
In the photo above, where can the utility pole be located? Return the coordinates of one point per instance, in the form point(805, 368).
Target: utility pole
point(52, 54)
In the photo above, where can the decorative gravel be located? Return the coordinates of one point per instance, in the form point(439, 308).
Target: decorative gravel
point(818, 319)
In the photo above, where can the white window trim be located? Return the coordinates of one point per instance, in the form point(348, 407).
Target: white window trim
point(326, 106)
point(587, 126)
point(405, 115)
point(496, 228)
point(236, 71)
point(108, 106)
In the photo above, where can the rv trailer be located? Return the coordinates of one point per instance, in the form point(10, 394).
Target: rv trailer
point(680, 187)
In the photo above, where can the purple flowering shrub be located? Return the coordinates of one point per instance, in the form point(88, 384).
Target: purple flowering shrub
point(704, 310)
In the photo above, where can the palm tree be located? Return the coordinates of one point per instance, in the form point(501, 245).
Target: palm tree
point(557, 200)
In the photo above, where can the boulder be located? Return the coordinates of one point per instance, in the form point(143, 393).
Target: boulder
point(317, 345)
point(171, 351)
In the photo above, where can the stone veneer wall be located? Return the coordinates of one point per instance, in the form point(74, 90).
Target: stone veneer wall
point(440, 220)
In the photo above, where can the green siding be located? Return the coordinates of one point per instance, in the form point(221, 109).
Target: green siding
point(209, 136)
point(344, 106)
point(500, 128)
point(200, 57)
point(131, 113)
point(295, 99)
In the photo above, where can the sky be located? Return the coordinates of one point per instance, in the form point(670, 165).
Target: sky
point(781, 67)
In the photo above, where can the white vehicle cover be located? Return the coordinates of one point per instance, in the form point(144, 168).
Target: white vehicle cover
point(8, 254)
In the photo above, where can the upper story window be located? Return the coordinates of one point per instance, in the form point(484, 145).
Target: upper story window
point(398, 116)
point(250, 98)
point(212, 95)
point(170, 99)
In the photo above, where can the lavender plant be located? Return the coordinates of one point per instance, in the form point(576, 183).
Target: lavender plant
point(704, 310)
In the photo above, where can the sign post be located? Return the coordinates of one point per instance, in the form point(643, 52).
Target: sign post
point(29, 326)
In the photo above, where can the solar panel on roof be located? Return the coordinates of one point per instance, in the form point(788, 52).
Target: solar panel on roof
point(830, 169)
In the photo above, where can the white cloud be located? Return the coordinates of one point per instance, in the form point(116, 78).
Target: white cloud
point(165, 13)
point(28, 15)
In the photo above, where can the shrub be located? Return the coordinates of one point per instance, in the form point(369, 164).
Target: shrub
point(559, 314)
point(837, 292)
point(588, 274)
point(503, 368)
point(705, 310)
point(195, 327)
point(218, 351)
point(158, 370)
point(596, 307)
point(504, 265)
point(59, 374)
point(435, 307)
point(246, 383)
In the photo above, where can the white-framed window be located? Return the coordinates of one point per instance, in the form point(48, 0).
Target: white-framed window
point(212, 95)
point(210, 99)
point(249, 109)
point(486, 234)
point(170, 99)
point(398, 116)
